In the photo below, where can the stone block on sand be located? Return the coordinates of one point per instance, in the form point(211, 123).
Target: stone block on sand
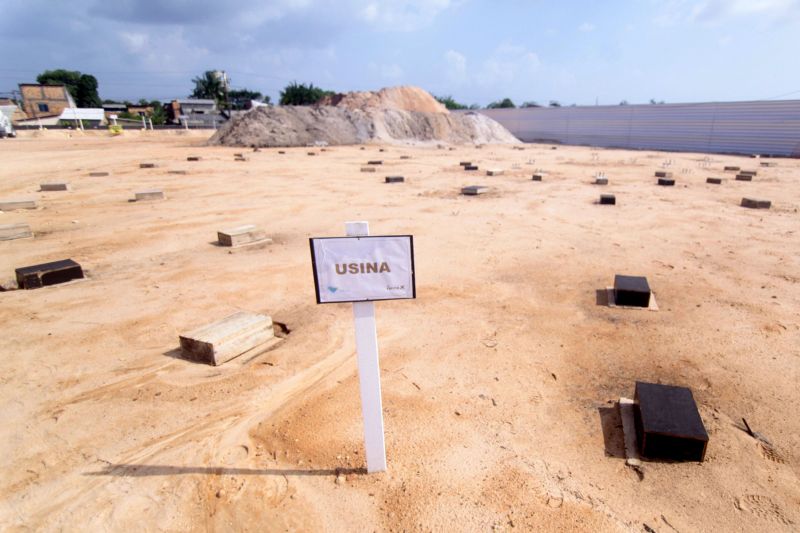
point(11, 205)
point(242, 235)
point(473, 190)
point(54, 187)
point(9, 232)
point(228, 338)
point(45, 274)
point(754, 203)
point(152, 194)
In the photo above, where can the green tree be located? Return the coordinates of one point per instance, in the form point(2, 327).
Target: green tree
point(239, 98)
point(555, 103)
point(209, 86)
point(530, 103)
point(505, 103)
point(302, 94)
point(82, 87)
point(449, 103)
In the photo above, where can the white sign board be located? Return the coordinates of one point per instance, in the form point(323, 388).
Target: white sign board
point(363, 269)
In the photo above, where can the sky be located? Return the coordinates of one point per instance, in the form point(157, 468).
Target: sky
point(573, 52)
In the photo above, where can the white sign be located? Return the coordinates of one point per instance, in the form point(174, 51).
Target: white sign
point(361, 269)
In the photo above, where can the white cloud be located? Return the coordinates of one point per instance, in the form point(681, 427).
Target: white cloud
point(402, 15)
point(586, 27)
point(507, 64)
point(456, 66)
point(672, 12)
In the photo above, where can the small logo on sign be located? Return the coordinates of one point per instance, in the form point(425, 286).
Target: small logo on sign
point(333, 289)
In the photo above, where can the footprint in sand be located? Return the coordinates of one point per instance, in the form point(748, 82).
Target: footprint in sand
point(763, 507)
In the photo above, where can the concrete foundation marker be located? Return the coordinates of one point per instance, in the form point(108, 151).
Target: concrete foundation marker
point(242, 236)
point(608, 199)
point(666, 182)
point(714, 181)
point(13, 205)
point(99, 174)
point(395, 179)
point(473, 190)
point(9, 232)
point(149, 195)
point(44, 187)
point(367, 169)
point(754, 203)
point(46, 274)
point(147, 165)
point(228, 338)
point(494, 172)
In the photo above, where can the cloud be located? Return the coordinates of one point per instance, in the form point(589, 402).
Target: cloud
point(586, 27)
point(507, 64)
point(401, 15)
point(455, 66)
point(674, 12)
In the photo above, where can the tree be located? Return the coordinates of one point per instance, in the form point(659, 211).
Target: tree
point(554, 103)
point(82, 87)
point(653, 101)
point(623, 102)
point(530, 103)
point(302, 94)
point(505, 103)
point(239, 98)
point(449, 103)
point(209, 86)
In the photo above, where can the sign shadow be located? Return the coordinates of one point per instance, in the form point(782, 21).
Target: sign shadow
point(144, 470)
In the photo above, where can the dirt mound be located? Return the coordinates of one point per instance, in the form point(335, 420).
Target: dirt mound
point(402, 115)
point(405, 98)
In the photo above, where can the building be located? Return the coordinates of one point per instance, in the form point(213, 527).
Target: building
point(13, 111)
point(195, 113)
point(114, 109)
point(42, 101)
point(140, 110)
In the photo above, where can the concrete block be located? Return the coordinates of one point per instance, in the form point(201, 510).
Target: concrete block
point(375, 162)
point(228, 338)
point(240, 158)
point(405, 157)
point(663, 174)
point(715, 181)
point(44, 187)
point(744, 177)
point(312, 153)
point(754, 203)
point(152, 194)
point(769, 164)
point(395, 179)
point(731, 169)
point(281, 152)
point(494, 172)
point(242, 235)
point(631, 291)
point(367, 169)
point(11, 205)
point(470, 167)
point(668, 424)
point(45, 274)
point(9, 232)
point(601, 180)
point(666, 182)
point(473, 190)
point(99, 174)
point(238, 154)
point(465, 163)
point(748, 172)
point(193, 158)
point(178, 172)
point(538, 177)
point(608, 199)
point(147, 165)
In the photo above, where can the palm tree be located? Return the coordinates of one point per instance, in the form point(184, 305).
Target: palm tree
point(209, 85)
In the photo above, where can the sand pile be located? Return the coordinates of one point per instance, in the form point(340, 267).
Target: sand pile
point(403, 115)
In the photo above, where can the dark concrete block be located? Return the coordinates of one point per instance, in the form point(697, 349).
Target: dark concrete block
point(744, 177)
point(395, 179)
point(631, 290)
point(375, 162)
point(281, 152)
point(147, 165)
point(608, 199)
point(465, 163)
point(715, 181)
point(663, 174)
point(473, 190)
point(732, 169)
point(537, 177)
point(748, 172)
point(98, 174)
point(753, 203)
point(668, 425)
point(470, 167)
point(193, 158)
point(666, 182)
point(36, 276)
point(769, 164)
point(405, 157)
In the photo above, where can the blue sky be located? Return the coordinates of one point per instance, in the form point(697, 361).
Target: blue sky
point(477, 51)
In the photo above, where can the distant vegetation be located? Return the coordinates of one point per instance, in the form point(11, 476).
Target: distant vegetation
point(209, 86)
point(302, 94)
point(505, 103)
point(449, 103)
point(82, 87)
point(239, 98)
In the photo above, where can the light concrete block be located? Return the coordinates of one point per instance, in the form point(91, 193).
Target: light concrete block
point(11, 205)
point(9, 232)
point(473, 190)
point(228, 338)
point(494, 172)
point(242, 235)
point(152, 194)
point(54, 187)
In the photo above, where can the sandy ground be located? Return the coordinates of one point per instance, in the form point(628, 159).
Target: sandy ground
point(499, 381)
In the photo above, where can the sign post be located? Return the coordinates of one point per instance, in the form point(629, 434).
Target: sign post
point(361, 269)
point(369, 372)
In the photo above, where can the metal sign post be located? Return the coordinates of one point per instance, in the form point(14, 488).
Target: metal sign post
point(369, 372)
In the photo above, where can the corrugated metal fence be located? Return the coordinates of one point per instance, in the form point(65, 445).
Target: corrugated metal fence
point(758, 127)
